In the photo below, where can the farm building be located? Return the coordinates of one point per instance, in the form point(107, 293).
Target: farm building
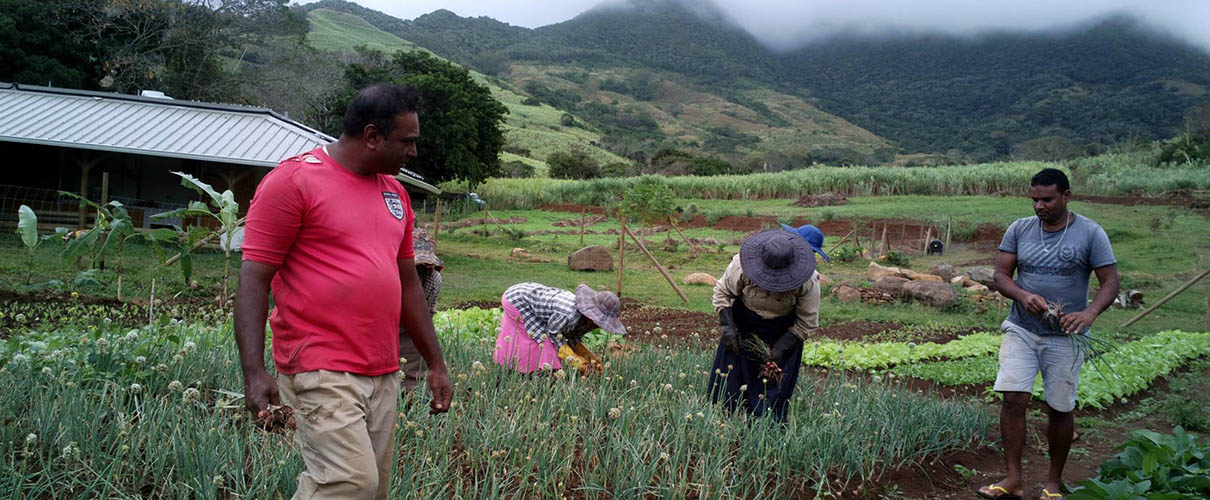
point(109, 146)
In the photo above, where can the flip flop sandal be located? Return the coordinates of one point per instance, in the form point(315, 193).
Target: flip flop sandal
point(1046, 493)
point(1007, 495)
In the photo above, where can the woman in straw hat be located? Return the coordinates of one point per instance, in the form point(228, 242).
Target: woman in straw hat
point(767, 303)
point(542, 327)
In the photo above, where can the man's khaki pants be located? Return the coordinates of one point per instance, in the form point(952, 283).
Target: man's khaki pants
point(346, 426)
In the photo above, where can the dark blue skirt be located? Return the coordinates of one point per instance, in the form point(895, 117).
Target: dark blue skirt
point(733, 371)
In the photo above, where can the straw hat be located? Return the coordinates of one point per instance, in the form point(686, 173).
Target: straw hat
point(603, 308)
point(777, 260)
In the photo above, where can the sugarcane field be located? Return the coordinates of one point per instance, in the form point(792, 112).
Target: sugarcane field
point(587, 249)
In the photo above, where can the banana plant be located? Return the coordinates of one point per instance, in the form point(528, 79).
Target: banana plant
point(27, 227)
point(183, 241)
point(222, 207)
point(108, 236)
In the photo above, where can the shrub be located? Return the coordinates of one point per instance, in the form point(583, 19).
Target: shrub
point(518, 170)
point(573, 165)
point(847, 253)
point(897, 258)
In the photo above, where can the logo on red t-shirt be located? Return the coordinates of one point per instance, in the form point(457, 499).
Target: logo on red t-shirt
point(394, 205)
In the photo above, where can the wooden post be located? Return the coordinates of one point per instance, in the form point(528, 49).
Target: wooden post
point(658, 267)
point(927, 236)
point(886, 247)
point(842, 240)
point(857, 238)
point(903, 234)
point(437, 222)
point(582, 216)
point(84, 170)
point(104, 188)
point(621, 253)
point(1166, 298)
point(949, 227)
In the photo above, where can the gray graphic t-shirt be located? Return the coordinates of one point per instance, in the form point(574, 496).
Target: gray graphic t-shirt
point(1056, 270)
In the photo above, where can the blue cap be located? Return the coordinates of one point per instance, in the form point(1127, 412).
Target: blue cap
point(813, 236)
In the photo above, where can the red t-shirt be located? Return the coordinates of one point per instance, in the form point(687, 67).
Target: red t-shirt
point(336, 239)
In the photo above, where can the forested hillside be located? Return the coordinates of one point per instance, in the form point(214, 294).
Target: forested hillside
point(974, 98)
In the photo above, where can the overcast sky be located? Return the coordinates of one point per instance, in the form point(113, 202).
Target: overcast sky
point(788, 24)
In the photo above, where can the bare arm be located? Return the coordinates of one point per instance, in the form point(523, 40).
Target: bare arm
point(415, 319)
point(1006, 264)
point(251, 309)
point(1110, 283)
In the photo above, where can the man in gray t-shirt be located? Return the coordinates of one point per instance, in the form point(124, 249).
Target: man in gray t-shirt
point(1053, 255)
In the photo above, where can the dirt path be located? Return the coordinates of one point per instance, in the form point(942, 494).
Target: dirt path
point(901, 233)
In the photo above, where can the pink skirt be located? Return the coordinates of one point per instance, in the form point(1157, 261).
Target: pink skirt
point(518, 351)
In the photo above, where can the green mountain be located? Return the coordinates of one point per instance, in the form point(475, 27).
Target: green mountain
point(1106, 82)
point(642, 86)
point(677, 72)
point(533, 133)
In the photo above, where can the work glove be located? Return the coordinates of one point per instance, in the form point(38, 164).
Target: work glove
point(785, 344)
point(730, 334)
point(583, 362)
point(594, 363)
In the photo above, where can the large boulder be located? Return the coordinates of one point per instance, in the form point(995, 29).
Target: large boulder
point(876, 272)
point(915, 276)
point(891, 284)
point(846, 293)
point(982, 275)
point(699, 279)
point(944, 270)
point(933, 293)
point(593, 258)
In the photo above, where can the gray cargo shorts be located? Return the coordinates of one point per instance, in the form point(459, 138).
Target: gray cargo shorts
point(1023, 354)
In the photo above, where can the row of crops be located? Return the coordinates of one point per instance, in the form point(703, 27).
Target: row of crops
point(1108, 175)
point(1120, 373)
point(102, 404)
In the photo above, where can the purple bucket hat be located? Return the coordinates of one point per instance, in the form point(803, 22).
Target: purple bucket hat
point(777, 260)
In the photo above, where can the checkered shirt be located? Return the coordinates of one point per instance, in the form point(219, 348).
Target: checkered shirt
point(430, 282)
point(546, 311)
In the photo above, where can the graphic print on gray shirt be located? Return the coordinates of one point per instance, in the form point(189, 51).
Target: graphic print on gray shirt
point(1058, 271)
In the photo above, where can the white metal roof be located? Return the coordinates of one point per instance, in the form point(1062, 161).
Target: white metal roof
point(122, 123)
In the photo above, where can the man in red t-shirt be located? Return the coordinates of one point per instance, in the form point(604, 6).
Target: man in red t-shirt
point(331, 231)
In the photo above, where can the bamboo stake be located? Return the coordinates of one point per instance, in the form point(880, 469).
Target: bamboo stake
point(658, 267)
point(151, 303)
point(885, 246)
point(582, 214)
point(494, 220)
point(437, 222)
point(172, 260)
point(621, 253)
point(686, 238)
point(1166, 298)
point(842, 240)
point(927, 236)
